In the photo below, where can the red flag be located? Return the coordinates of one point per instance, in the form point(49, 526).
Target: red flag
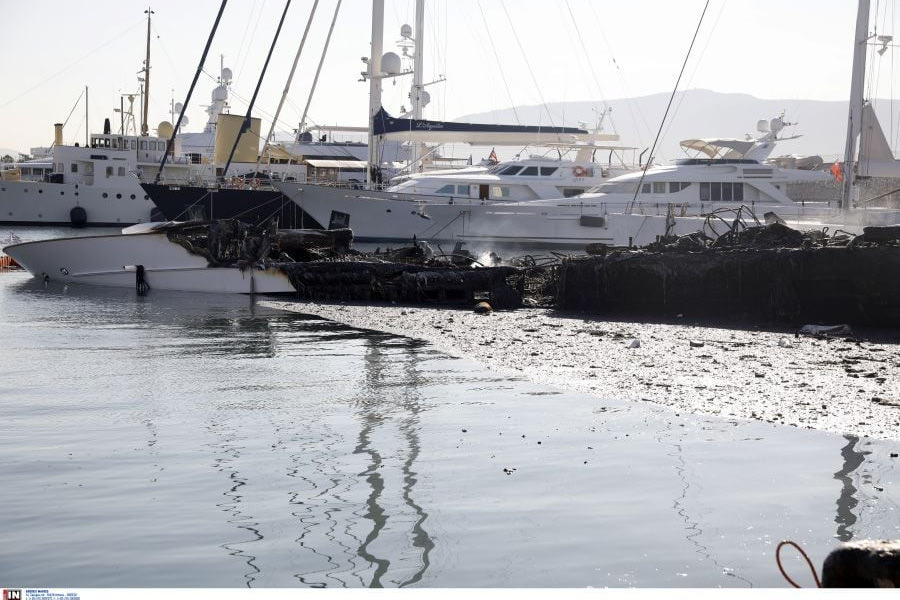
point(837, 172)
point(493, 156)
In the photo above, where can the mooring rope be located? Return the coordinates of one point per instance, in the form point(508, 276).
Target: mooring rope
point(803, 554)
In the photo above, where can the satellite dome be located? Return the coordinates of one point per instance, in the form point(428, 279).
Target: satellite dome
point(219, 93)
point(762, 126)
point(390, 64)
point(424, 98)
point(164, 130)
point(776, 124)
point(226, 74)
point(405, 31)
point(178, 107)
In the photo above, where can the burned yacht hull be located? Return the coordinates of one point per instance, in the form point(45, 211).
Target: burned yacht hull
point(125, 260)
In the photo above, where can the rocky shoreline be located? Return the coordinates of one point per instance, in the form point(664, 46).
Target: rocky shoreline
point(838, 384)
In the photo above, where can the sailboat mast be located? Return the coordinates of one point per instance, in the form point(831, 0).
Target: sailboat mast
point(857, 85)
point(374, 75)
point(144, 129)
point(418, 60)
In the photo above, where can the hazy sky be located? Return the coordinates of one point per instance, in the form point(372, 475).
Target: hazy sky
point(494, 53)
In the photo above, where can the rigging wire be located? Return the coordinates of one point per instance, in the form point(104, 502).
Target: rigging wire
point(187, 100)
point(240, 70)
point(66, 122)
point(668, 106)
point(587, 56)
point(125, 32)
point(632, 105)
point(696, 68)
point(245, 126)
point(287, 85)
point(512, 104)
point(537, 86)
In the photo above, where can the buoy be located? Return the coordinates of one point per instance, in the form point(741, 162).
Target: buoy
point(78, 216)
point(483, 308)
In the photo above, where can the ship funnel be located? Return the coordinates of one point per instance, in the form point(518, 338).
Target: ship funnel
point(106, 128)
point(57, 134)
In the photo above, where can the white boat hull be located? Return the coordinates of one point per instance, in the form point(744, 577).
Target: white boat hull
point(112, 260)
point(386, 217)
point(32, 202)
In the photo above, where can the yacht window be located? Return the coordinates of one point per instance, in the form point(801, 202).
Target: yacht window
point(143, 144)
point(462, 190)
point(738, 192)
point(645, 188)
point(659, 187)
point(510, 170)
point(121, 171)
point(726, 192)
point(532, 171)
point(548, 171)
point(115, 144)
point(715, 190)
point(133, 144)
point(677, 186)
point(500, 191)
point(570, 192)
point(704, 192)
point(109, 171)
point(447, 189)
point(74, 167)
point(617, 188)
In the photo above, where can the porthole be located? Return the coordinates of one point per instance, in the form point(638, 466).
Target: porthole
point(76, 193)
point(62, 193)
point(25, 190)
point(146, 197)
point(105, 195)
point(119, 196)
point(132, 196)
point(40, 191)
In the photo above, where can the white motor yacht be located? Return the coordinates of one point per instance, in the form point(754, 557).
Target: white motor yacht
point(631, 209)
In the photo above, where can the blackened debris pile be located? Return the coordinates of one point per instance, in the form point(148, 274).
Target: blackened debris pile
point(770, 273)
point(229, 243)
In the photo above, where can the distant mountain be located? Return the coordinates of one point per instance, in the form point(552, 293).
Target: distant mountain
point(706, 114)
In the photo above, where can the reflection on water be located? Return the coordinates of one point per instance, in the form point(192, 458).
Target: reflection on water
point(402, 414)
point(847, 501)
point(195, 440)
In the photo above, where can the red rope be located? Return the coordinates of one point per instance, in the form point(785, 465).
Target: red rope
point(802, 553)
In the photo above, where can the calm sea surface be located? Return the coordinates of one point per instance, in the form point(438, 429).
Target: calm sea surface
point(183, 440)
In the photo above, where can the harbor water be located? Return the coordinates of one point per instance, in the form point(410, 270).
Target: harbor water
point(180, 440)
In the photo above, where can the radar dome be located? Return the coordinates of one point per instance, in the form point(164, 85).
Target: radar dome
point(185, 120)
point(219, 93)
point(390, 64)
point(178, 107)
point(424, 98)
point(762, 126)
point(776, 124)
point(164, 130)
point(226, 74)
point(405, 31)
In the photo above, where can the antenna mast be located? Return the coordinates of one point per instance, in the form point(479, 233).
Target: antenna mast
point(144, 129)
